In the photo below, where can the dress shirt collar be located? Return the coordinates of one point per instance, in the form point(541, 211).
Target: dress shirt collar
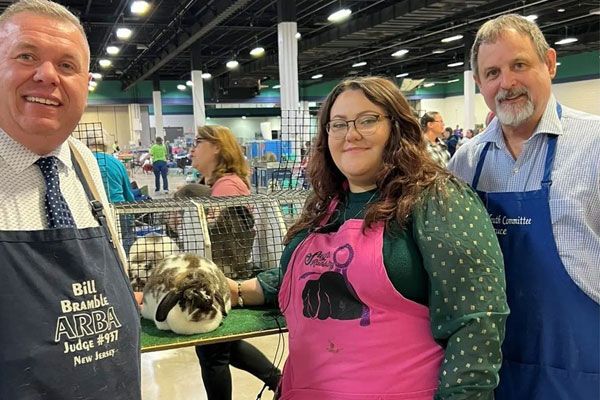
point(19, 157)
point(549, 124)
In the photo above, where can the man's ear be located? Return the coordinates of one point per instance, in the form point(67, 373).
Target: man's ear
point(477, 81)
point(89, 77)
point(551, 62)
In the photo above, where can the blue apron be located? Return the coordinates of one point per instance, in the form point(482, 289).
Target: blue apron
point(69, 325)
point(552, 345)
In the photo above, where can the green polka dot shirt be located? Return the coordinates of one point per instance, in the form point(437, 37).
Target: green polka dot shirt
point(448, 259)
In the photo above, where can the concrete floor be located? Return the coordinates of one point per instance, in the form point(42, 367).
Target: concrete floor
point(175, 374)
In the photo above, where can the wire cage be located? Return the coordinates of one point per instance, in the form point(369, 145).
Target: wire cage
point(290, 203)
point(280, 163)
point(92, 135)
point(242, 235)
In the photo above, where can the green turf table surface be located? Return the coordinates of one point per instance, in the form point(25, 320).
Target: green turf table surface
point(240, 323)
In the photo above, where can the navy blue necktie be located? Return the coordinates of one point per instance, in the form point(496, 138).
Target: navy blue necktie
point(58, 214)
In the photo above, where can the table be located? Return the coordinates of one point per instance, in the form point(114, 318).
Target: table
point(240, 323)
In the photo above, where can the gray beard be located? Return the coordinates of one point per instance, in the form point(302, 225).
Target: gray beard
point(514, 115)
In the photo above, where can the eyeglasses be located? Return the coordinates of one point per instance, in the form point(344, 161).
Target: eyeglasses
point(365, 125)
point(197, 141)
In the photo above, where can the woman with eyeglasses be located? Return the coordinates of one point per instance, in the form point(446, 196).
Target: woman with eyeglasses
point(218, 156)
point(392, 280)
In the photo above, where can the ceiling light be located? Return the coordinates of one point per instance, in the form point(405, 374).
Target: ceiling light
point(181, 87)
point(243, 117)
point(438, 51)
point(298, 35)
point(124, 33)
point(595, 12)
point(561, 10)
point(402, 75)
point(317, 76)
point(359, 64)
point(140, 7)
point(400, 53)
point(257, 51)
point(567, 40)
point(91, 88)
point(232, 64)
point(276, 86)
point(340, 15)
point(94, 84)
point(452, 38)
point(96, 75)
point(104, 63)
point(206, 75)
point(428, 84)
point(558, 63)
point(456, 64)
point(531, 17)
point(190, 83)
point(453, 80)
point(113, 50)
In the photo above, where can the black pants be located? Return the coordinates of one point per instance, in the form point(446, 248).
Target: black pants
point(215, 360)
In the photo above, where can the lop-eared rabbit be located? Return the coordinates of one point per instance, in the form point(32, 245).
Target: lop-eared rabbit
point(186, 294)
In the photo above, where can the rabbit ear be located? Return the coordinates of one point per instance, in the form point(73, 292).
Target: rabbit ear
point(166, 304)
point(221, 303)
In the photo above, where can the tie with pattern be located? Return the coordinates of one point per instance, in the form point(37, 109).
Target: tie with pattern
point(58, 214)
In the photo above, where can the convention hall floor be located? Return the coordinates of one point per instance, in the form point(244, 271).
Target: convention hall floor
point(175, 374)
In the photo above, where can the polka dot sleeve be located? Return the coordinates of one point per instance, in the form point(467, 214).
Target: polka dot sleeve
point(467, 297)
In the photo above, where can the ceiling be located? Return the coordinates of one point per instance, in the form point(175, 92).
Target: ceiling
point(217, 30)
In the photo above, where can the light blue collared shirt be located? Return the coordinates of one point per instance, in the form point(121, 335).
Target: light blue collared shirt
point(575, 190)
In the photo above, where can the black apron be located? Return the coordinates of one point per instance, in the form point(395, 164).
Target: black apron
point(69, 324)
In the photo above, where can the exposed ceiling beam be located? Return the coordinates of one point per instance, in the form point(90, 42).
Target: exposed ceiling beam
point(221, 11)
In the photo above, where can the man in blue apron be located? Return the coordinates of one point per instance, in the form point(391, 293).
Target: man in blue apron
point(69, 325)
point(537, 169)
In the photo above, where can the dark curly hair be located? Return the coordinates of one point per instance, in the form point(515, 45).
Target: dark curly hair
point(407, 172)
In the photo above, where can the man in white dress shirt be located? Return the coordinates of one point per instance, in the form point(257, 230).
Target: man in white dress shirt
point(537, 169)
point(70, 326)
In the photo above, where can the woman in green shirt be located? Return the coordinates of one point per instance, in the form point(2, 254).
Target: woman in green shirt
point(414, 292)
point(158, 151)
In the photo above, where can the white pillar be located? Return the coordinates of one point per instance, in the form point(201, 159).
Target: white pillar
point(469, 90)
point(158, 117)
point(288, 65)
point(135, 125)
point(198, 100)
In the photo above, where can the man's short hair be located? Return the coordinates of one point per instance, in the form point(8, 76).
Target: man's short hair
point(45, 8)
point(493, 29)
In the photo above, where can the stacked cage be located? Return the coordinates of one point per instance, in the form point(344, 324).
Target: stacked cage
point(280, 164)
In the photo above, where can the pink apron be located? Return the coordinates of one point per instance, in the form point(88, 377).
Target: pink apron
point(352, 335)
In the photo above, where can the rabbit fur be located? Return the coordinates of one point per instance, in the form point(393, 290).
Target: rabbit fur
point(145, 253)
point(186, 294)
point(232, 237)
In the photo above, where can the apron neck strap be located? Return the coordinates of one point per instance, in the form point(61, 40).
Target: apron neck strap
point(550, 153)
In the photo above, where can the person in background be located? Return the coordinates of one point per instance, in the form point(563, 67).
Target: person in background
point(451, 139)
point(116, 184)
point(391, 281)
point(115, 147)
point(158, 152)
point(60, 264)
point(218, 157)
point(169, 150)
point(432, 125)
point(114, 176)
point(537, 168)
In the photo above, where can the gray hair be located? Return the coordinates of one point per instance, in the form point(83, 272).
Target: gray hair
point(493, 29)
point(45, 8)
